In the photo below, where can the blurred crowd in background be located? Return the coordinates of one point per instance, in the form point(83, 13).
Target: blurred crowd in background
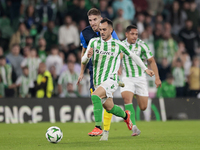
point(40, 51)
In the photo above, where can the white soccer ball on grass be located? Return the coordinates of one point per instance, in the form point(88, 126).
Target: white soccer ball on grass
point(54, 134)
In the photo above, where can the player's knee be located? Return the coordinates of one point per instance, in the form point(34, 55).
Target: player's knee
point(95, 99)
point(143, 108)
point(127, 100)
point(108, 109)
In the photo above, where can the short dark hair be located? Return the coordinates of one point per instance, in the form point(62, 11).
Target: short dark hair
point(29, 37)
point(25, 67)
point(54, 47)
point(169, 76)
point(188, 20)
point(94, 11)
point(33, 49)
point(107, 20)
point(67, 15)
point(128, 29)
point(2, 57)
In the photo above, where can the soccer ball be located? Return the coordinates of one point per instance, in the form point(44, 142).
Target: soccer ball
point(54, 134)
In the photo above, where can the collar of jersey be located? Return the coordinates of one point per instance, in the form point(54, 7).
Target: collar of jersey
point(128, 44)
point(98, 33)
point(108, 40)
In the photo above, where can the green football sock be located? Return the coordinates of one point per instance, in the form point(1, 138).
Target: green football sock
point(117, 111)
point(132, 111)
point(98, 108)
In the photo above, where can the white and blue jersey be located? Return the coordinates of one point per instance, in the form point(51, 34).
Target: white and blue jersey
point(85, 36)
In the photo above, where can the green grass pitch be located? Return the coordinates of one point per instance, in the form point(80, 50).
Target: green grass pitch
point(170, 135)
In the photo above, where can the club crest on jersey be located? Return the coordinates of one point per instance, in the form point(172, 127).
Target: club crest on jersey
point(104, 52)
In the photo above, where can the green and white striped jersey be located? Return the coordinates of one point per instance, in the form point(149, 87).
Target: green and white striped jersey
point(141, 49)
point(106, 58)
point(25, 83)
point(6, 74)
point(33, 65)
point(65, 78)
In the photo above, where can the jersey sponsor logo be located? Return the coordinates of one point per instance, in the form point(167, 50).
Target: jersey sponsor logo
point(104, 52)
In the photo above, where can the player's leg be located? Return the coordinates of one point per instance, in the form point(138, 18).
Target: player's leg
point(141, 92)
point(107, 120)
point(107, 117)
point(97, 116)
point(117, 111)
point(109, 87)
point(127, 93)
point(142, 101)
point(128, 97)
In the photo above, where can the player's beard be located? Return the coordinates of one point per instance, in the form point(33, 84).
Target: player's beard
point(106, 37)
point(95, 28)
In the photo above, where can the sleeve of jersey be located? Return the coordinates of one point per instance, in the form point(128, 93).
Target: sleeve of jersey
point(146, 50)
point(114, 35)
point(85, 59)
point(83, 42)
point(134, 57)
point(137, 60)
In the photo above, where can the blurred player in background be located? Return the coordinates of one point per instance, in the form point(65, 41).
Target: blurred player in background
point(94, 17)
point(134, 77)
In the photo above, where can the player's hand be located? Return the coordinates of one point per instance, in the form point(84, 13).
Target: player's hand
point(90, 53)
point(149, 72)
point(158, 82)
point(80, 78)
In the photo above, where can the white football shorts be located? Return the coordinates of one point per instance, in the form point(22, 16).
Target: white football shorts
point(136, 85)
point(110, 87)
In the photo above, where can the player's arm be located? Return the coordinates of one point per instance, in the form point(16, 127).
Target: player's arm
point(79, 88)
point(83, 66)
point(85, 59)
point(149, 56)
point(120, 68)
point(137, 60)
point(154, 67)
point(88, 54)
point(121, 56)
